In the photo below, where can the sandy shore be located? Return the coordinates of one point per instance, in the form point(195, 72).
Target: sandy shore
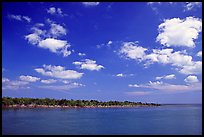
point(57, 106)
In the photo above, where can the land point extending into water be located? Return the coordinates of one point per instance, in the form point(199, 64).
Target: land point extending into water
point(8, 102)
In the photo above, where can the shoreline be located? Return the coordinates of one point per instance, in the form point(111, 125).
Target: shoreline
point(57, 106)
point(8, 102)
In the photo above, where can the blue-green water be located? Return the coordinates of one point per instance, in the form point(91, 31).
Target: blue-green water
point(168, 119)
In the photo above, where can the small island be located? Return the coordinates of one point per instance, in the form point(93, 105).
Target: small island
point(8, 102)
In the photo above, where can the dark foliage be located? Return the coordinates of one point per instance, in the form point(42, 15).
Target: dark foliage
point(7, 101)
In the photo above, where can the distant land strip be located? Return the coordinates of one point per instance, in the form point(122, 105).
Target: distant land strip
point(8, 102)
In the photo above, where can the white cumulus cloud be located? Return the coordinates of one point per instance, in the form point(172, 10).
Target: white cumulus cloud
point(123, 75)
point(48, 39)
point(58, 72)
point(48, 81)
point(178, 59)
point(33, 38)
point(55, 11)
point(57, 30)
point(37, 30)
point(39, 24)
point(109, 43)
point(4, 80)
point(14, 84)
point(171, 76)
point(120, 75)
point(199, 54)
point(193, 68)
point(20, 18)
point(28, 78)
point(26, 18)
point(191, 79)
point(55, 46)
point(65, 81)
point(89, 65)
point(90, 3)
point(131, 50)
point(191, 5)
point(133, 85)
point(179, 32)
point(171, 88)
point(81, 54)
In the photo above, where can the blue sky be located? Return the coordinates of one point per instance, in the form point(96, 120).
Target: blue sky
point(136, 51)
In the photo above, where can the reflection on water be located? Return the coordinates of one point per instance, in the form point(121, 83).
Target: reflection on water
point(166, 119)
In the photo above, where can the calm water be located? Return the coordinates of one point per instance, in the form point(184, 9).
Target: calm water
point(169, 119)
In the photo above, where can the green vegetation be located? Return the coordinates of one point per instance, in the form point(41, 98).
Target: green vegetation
point(34, 102)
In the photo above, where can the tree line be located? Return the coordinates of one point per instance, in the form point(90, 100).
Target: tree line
point(8, 101)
